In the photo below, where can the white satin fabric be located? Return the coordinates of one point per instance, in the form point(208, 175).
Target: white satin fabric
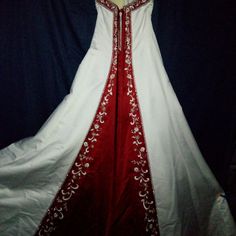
point(186, 192)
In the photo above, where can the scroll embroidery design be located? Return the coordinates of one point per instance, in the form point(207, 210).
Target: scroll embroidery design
point(141, 168)
point(59, 208)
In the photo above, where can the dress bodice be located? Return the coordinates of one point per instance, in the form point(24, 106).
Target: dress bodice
point(112, 22)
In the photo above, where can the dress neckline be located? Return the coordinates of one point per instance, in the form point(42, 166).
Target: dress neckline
point(125, 6)
point(132, 5)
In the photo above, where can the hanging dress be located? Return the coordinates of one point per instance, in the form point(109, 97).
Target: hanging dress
point(117, 156)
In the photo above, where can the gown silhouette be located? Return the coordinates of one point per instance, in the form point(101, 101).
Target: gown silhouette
point(117, 156)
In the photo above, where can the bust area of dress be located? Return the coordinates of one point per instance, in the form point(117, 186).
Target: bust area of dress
point(119, 3)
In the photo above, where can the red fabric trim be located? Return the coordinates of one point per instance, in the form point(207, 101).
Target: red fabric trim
point(108, 190)
point(141, 168)
point(133, 5)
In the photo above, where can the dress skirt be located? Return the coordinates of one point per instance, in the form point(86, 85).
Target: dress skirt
point(117, 156)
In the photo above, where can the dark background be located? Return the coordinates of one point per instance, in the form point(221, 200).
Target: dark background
point(42, 43)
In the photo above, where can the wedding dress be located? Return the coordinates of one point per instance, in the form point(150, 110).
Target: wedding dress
point(117, 156)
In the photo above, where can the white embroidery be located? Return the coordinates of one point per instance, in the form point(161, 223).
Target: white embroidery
point(60, 205)
point(141, 168)
point(141, 171)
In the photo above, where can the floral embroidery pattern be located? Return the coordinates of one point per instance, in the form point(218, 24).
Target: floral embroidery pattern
point(141, 168)
point(79, 169)
point(70, 188)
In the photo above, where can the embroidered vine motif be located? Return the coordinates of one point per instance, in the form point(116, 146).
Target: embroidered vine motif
point(79, 169)
point(141, 168)
point(71, 186)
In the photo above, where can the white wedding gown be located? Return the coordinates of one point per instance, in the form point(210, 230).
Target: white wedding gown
point(188, 197)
